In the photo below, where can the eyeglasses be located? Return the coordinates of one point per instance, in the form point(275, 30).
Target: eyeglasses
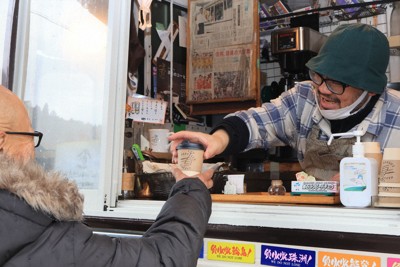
point(37, 136)
point(335, 87)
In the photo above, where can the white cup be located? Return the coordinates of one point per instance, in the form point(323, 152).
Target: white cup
point(238, 181)
point(390, 170)
point(175, 97)
point(158, 139)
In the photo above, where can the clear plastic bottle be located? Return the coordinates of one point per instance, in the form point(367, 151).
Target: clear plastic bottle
point(358, 175)
point(277, 188)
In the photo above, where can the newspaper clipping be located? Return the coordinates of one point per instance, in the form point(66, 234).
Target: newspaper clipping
point(221, 50)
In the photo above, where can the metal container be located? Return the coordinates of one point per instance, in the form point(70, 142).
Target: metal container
point(296, 39)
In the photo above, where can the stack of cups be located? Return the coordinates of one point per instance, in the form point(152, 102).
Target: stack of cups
point(389, 179)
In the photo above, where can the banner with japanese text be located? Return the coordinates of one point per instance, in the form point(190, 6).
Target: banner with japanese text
point(233, 252)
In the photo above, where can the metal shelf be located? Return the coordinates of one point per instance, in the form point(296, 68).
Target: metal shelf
point(340, 12)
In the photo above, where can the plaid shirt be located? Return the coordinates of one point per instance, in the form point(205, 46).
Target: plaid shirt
point(288, 120)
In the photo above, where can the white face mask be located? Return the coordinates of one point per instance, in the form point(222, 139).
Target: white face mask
point(341, 113)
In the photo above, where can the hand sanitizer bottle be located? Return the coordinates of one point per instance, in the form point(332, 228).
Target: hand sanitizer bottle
point(358, 175)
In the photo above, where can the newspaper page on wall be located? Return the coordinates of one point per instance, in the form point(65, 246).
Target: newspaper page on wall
point(222, 51)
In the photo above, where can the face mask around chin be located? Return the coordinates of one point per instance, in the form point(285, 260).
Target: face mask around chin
point(341, 113)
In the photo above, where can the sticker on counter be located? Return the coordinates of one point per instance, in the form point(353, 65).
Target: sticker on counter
point(330, 259)
point(315, 187)
point(393, 262)
point(232, 252)
point(288, 257)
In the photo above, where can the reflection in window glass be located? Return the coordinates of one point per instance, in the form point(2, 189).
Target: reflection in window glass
point(65, 86)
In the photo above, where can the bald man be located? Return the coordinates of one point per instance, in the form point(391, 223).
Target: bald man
point(41, 213)
point(14, 118)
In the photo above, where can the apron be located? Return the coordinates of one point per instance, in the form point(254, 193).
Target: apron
point(323, 161)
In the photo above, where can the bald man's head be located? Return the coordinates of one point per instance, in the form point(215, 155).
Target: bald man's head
point(14, 118)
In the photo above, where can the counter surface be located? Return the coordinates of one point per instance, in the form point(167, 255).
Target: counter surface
point(287, 216)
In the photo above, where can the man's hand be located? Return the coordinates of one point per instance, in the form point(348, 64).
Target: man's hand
point(213, 144)
point(205, 177)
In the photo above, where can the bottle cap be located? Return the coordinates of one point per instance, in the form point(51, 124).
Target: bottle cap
point(276, 182)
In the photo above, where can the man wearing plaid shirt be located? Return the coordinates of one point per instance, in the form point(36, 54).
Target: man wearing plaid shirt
point(347, 92)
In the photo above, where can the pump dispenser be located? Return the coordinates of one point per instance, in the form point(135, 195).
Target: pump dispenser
point(358, 175)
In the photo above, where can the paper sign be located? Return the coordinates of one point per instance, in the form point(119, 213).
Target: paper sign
point(340, 259)
point(315, 187)
point(147, 110)
point(288, 257)
point(232, 252)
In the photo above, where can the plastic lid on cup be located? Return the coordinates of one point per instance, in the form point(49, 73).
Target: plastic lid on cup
point(189, 145)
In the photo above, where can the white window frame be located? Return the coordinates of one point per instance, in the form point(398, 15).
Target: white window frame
point(115, 98)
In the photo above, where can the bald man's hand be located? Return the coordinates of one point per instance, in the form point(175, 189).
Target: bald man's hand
point(205, 177)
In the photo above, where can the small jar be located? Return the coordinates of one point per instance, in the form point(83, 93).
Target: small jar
point(277, 188)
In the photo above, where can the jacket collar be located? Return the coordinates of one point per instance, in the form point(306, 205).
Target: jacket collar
point(49, 192)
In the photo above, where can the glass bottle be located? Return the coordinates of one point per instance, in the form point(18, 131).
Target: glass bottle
point(127, 187)
point(128, 184)
point(277, 188)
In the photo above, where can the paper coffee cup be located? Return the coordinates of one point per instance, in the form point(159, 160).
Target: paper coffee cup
point(390, 169)
point(158, 140)
point(190, 157)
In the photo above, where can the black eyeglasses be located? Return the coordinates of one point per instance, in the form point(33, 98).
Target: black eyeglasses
point(335, 87)
point(37, 136)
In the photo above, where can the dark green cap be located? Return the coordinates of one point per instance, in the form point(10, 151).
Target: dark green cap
point(355, 54)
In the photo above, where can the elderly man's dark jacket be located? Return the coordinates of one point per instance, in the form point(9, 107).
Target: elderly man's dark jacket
point(41, 224)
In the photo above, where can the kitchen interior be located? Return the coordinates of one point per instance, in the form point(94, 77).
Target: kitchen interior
point(98, 134)
point(281, 65)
